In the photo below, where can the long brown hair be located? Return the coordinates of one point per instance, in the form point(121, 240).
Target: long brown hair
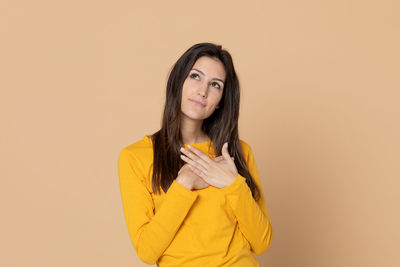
point(221, 126)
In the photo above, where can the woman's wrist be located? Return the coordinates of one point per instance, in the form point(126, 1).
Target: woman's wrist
point(182, 182)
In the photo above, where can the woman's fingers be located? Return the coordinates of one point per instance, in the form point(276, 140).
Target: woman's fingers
point(194, 163)
point(197, 152)
point(220, 158)
point(198, 157)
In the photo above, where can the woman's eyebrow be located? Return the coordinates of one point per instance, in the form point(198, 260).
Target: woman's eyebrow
point(204, 74)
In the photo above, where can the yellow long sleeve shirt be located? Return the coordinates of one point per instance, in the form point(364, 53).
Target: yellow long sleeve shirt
point(207, 227)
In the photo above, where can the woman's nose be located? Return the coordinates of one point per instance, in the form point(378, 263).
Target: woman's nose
point(203, 90)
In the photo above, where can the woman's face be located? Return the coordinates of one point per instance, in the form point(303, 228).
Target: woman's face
point(204, 84)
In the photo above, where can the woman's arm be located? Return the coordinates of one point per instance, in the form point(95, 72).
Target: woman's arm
point(150, 233)
point(252, 216)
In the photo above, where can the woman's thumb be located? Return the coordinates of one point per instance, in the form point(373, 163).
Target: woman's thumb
point(225, 151)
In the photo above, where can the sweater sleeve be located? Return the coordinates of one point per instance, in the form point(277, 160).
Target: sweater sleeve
point(252, 216)
point(150, 233)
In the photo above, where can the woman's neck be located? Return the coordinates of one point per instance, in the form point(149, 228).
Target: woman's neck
point(201, 137)
point(191, 131)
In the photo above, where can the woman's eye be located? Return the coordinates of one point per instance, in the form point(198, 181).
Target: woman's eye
point(219, 87)
point(193, 74)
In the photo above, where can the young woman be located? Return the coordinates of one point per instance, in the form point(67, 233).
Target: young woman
point(191, 192)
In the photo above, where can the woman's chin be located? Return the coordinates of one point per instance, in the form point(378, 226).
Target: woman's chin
point(195, 117)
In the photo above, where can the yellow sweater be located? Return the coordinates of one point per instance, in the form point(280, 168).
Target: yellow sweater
point(207, 227)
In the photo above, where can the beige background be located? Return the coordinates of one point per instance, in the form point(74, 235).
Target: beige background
point(320, 107)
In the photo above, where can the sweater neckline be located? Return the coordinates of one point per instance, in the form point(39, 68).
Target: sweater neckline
point(205, 146)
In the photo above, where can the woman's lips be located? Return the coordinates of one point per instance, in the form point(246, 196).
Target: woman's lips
point(198, 103)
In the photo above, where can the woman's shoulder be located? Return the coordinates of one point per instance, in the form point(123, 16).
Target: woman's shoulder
point(245, 147)
point(138, 156)
point(142, 148)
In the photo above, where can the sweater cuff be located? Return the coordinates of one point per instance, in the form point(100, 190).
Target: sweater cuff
point(235, 186)
point(183, 191)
